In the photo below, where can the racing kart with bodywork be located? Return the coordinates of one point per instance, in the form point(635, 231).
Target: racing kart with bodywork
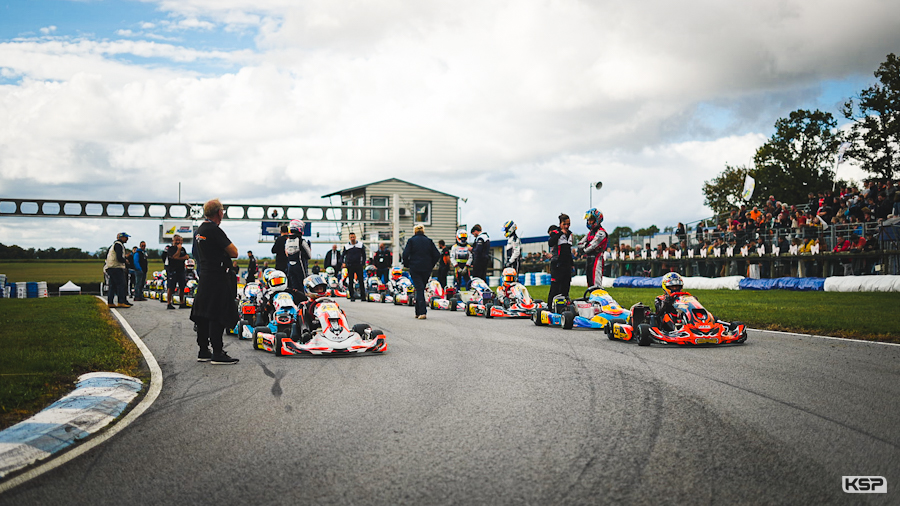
point(690, 324)
point(595, 310)
point(406, 293)
point(329, 333)
point(439, 297)
point(375, 290)
point(512, 301)
point(247, 310)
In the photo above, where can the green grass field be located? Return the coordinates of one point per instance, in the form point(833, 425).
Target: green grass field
point(858, 315)
point(45, 344)
point(60, 271)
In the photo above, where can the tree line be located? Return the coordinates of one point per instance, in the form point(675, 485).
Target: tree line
point(18, 253)
point(800, 157)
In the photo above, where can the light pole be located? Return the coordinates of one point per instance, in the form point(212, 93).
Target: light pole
point(597, 185)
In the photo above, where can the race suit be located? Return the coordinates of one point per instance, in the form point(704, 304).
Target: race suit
point(593, 245)
point(514, 252)
point(460, 259)
point(666, 315)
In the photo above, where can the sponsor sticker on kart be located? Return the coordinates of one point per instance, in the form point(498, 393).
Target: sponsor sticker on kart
point(545, 317)
point(619, 332)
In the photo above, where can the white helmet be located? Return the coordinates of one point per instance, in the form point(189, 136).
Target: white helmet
point(276, 281)
point(296, 226)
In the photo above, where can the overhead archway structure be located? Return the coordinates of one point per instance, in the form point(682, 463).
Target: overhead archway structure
point(44, 208)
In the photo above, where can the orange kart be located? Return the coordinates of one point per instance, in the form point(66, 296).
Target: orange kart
point(691, 324)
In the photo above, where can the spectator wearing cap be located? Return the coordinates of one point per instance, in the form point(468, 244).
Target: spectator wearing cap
point(115, 268)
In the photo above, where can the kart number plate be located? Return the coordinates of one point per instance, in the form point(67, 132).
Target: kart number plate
point(706, 340)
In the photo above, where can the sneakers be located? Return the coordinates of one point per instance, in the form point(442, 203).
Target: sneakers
point(125, 304)
point(223, 359)
point(170, 306)
point(421, 317)
point(204, 355)
point(113, 306)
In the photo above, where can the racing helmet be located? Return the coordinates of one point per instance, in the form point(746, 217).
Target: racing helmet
point(266, 271)
point(461, 237)
point(593, 213)
point(296, 226)
point(672, 283)
point(251, 290)
point(315, 285)
point(329, 271)
point(276, 281)
point(371, 270)
point(480, 285)
point(189, 263)
point(190, 285)
point(510, 276)
point(509, 228)
point(396, 272)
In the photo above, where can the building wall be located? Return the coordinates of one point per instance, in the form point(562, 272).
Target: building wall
point(443, 213)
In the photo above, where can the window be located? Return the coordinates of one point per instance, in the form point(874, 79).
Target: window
point(377, 214)
point(422, 213)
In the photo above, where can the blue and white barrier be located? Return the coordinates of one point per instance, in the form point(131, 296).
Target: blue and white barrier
point(832, 284)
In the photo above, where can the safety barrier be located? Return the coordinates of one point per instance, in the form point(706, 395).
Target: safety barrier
point(831, 284)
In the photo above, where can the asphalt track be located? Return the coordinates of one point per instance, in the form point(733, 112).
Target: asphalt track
point(463, 410)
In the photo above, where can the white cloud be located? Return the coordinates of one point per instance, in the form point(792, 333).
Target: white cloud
point(124, 33)
point(47, 30)
point(516, 106)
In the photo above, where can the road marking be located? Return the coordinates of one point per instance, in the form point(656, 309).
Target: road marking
point(156, 380)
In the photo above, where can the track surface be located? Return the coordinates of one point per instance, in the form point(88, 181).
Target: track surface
point(463, 410)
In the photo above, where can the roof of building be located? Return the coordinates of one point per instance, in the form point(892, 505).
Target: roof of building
point(347, 190)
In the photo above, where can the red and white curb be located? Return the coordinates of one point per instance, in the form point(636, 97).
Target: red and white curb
point(97, 401)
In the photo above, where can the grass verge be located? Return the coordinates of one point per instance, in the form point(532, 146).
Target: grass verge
point(869, 316)
point(45, 344)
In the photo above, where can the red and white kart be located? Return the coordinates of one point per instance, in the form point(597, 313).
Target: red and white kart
point(331, 334)
point(439, 297)
point(511, 302)
point(406, 292)
point(335, 289)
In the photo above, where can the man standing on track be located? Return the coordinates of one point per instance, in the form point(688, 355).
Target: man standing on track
point(481, 253)
point(354, 256)
point(214, 307)
point(419, 257)
point(175, 257)
point(115, 269)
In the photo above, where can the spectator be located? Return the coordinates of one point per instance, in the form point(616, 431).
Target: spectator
point(419, 256)
point(252, 268)
point(175, 257)
point(140, 264)
point(214, 307)
point(115, 268)
point(333, 258)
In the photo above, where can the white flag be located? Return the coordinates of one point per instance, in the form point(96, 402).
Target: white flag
point(749, 186)
point(840, 155)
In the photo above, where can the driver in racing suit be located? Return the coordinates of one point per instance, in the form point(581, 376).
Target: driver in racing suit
point(316, 287)
point(593, 245)
point(513, 248)
point(666, 315)
point(460, 260)
point(510, 279)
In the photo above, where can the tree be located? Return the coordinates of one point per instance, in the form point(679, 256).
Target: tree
point(618, 233)
point(644, 232)
point(797, 159)
point(875, 133)
point(724, 191)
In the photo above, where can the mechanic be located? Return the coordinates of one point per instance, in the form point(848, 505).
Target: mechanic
point(481, 252)
point(140, 265)
point(444, 263)
point(252, 268)
point(513, 246)
point(354, 256)
point(561, 260)
point(115, 269)
point(215, 306)
point(673, 285)
point(419, 257)
point(175, 258)
point(281, 262)
point(593, 245)
point(298, 252)
point(460, 258)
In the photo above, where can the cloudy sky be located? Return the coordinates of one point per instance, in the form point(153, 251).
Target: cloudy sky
point(516, 105)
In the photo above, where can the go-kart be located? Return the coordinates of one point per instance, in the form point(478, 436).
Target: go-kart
point(510, 302)
point(330, 334)
point(375, 290)
point(190, 291)
point(406, 293)
point(247, 309)
point(595, 310)
point(335, 289)
point(690, 324)
point(439, 297)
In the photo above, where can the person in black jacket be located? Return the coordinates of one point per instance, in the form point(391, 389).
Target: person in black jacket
point(281, 261)
point(444, 264)
point(481, 253)
point(382, 261)
point(419, 256)
point(561, 260)
point(333, 259)
point(355, 260)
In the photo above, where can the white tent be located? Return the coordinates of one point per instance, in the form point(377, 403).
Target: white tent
point(70, 288)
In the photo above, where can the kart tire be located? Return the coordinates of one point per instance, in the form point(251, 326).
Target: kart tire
point(609, 331)
point(360, 328)
point(643, 337)
point(278, 337)
point(255, 340)
point(396, 301)
point(506, 303)
point(452, 304)
point(537, 317)
point(487, 310)
point(568, 320)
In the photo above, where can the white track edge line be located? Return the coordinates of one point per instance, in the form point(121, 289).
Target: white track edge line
point(156, 381)
point(845, 339)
